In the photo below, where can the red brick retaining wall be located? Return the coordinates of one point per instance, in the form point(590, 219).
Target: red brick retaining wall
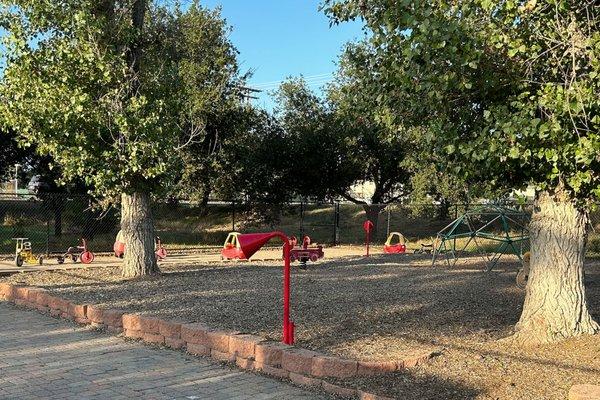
point(301, 366)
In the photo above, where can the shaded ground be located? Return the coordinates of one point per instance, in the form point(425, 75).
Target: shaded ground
point(43, 358)
point(378, 308)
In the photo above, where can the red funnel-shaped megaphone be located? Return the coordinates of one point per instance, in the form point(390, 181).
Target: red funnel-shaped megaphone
point(250, 243)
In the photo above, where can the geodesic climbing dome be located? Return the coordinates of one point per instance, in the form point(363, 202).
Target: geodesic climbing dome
point(494, 230)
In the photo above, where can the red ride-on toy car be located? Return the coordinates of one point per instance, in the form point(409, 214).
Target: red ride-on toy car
point(231, 248)
point(119, 247)
point(395, 244)
point(305, 253)
point(75, 253)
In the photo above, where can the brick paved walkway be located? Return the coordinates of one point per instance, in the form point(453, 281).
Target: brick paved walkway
point(44, 358)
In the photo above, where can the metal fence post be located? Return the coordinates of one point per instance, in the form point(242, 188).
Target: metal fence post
point(336, 223)
point(387, 233)
point(301, 219)
point(47, 237)
point(233, 216)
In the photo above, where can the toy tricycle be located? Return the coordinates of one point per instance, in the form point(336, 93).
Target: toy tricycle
point(78, 253)
point(119, 247)
point(305, 253)
point(231, 248)
point(395, 244)
point(23, 253)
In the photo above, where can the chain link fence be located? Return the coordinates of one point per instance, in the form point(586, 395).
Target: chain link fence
point(53, 222)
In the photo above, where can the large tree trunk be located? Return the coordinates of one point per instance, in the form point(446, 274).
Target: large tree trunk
point(555, 305)
point(372, 212)
point(138, 234)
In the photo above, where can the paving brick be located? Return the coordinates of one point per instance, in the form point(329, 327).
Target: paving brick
point(270, 353)
point(153, 338)
point(324, 366)
point(94, 314)
point(218, 340)
point(174, 343)
point(6, 291)
point(131, 322)
point(169, 329)
point(298, 361)
point(198, 349)
point(194, 333)
point(244, 345)
point(113, 318)
point(369, 368)
point(77, 310)
point(149, 324)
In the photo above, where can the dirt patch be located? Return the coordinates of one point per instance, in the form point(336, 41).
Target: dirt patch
point(380, 308)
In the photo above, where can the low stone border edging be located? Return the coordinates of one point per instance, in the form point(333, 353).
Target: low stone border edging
point(301, 366)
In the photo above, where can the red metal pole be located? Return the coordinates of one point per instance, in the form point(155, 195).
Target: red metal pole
point(288, 326)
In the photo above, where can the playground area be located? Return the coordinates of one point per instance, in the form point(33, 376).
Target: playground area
point(378, 308)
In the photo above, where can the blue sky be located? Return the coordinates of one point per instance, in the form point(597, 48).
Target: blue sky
point(281, 38)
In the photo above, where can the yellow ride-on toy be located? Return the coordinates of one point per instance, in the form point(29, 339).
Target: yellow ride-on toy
point(23, 253)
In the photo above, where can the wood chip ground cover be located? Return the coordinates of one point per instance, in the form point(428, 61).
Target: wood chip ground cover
point(382, 308)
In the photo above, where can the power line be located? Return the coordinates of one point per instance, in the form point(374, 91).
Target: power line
point(309, 80)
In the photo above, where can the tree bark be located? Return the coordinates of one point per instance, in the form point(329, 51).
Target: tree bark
point(555, 305)
point(138, 234)
point(372, 212)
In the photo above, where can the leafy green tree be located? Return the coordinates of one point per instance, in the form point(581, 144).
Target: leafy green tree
point(344, 139)
point(508, 91)
point(110, 90)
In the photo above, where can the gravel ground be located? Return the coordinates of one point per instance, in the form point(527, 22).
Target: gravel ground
point(380, 308)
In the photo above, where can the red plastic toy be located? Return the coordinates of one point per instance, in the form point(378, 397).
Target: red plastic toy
point(119, 247)
point(395, 244)
point(305, 253)
point(80, 253)
point(231, 248)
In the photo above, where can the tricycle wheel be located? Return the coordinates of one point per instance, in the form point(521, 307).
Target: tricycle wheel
point(40, 260)
point(522, 277)
point(87, 257)
point(18, 260)
point(314, 257)
point(60, 259)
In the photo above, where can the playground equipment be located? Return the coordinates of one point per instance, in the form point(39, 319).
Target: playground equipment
point(305, 253)
point(75, 253)
point(159, 249)
point(249, 244)
point(24, 253)
point(395, 243)
point(493, 225)
point(368, 227)
point(231, 248)
point(119, 247)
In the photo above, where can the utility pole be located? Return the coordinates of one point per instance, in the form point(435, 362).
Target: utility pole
point(245, 92)
point(17, 179)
